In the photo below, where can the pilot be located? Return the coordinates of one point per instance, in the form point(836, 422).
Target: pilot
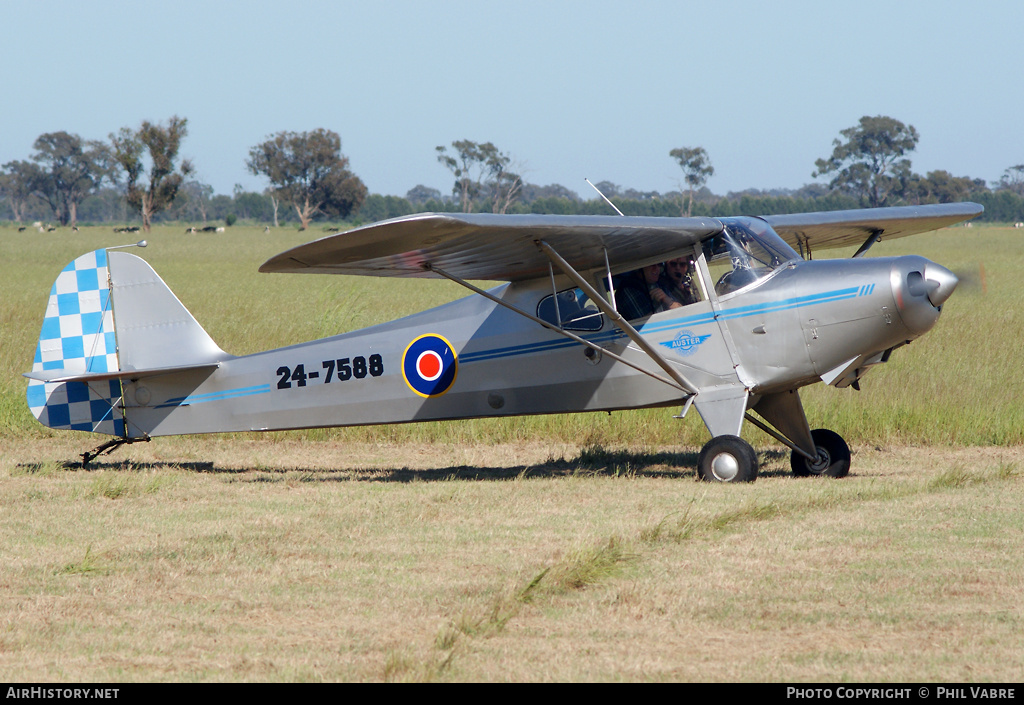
point(640, 293)
point(680, 280)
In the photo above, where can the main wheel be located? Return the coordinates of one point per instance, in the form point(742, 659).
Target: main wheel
point(833, 456)
point(727, 459)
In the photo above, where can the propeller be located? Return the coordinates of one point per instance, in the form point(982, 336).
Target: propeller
point(940, 283)
point(971, 278)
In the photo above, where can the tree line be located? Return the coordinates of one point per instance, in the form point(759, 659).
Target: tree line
point(137, 175)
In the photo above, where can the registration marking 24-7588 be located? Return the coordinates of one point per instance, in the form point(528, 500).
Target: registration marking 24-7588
point(338, 370)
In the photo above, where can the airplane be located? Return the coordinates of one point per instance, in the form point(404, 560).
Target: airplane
point(581, 321)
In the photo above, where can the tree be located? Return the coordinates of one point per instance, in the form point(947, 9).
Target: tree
point(870, 164)
point(481, 170)
point(70, 169)
point(607, 189)
point(505, 186)
point(17, 184)
point(941, 187)
point(532, 192)
point(421, 194)
point(275, 203)
point(1013, 179)
point(105, 206)
point(697, 169)
point(253, 206)
point(192, 201)
point(308, 170)
point(378, 207)
point(161, 144)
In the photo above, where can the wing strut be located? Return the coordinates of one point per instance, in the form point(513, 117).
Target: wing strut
point(872, 239)
point(616, 317)
point(556, 329)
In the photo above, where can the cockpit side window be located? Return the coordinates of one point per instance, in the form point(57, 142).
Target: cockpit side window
point(657, 287)
point(572, 310)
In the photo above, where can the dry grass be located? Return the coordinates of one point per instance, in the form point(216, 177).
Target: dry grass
point(305, 562)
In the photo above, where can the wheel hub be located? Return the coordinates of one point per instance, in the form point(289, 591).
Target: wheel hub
point(821, 464)
point(725, 467)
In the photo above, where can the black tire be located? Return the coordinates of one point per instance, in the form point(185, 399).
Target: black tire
point(833, 456)
point(727, 459)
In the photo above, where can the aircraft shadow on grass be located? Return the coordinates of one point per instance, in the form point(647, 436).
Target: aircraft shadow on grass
point(590, 462)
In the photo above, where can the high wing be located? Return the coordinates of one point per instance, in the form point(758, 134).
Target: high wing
point(504, 247)
point(815, 231)
point(496, 247)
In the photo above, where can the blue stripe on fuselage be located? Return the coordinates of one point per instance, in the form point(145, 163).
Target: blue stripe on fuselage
point(673, 324)
point(216, 396)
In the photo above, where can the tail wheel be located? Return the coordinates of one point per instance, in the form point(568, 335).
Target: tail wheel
point(833, 456)
point(727, 459)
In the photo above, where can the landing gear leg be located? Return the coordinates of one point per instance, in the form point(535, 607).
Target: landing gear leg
point(727, 459)
point(833, 456)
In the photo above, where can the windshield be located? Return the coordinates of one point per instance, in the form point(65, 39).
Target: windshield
point(747, 251)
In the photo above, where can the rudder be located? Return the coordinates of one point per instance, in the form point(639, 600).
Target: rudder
point(154, 329)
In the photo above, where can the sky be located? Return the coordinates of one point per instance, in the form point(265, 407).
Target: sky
point(568, 89)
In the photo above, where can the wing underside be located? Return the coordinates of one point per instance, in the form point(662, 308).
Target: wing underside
point(817, 231)
point(496, 247)
point(486, 246)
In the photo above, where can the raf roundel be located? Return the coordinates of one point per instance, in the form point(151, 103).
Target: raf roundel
point(430, 365)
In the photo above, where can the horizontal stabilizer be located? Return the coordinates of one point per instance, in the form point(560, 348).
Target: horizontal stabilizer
point(62, 375)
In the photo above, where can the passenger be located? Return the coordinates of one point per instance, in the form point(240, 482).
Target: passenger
point(658, 285)
point(680, 276)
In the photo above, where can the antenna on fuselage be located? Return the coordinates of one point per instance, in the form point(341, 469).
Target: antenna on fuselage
point(607, 264)
point(604, 197)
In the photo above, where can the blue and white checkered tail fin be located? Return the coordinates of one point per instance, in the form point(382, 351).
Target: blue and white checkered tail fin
point(109, 317)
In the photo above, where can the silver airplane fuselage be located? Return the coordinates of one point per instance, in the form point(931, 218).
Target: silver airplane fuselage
point(807, 321)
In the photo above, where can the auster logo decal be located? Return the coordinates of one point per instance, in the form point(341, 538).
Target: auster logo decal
point(430, 365)
point(685, 343)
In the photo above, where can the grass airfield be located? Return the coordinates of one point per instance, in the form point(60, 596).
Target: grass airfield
point(549, 548)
